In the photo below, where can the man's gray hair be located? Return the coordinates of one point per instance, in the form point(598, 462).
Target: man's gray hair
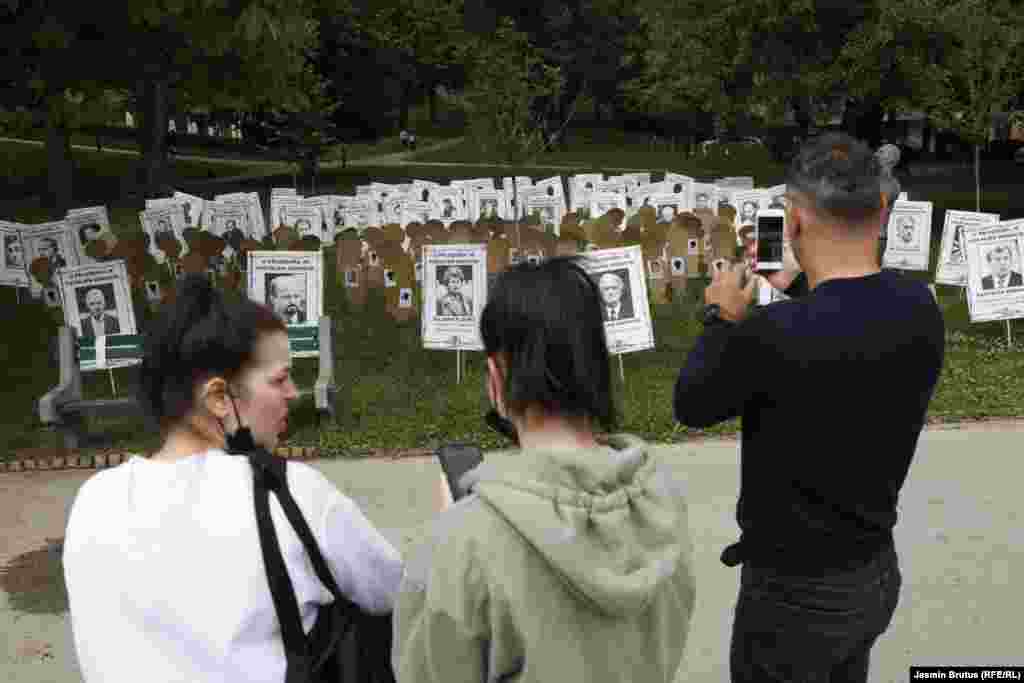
point(612, 276)
point(841, 176)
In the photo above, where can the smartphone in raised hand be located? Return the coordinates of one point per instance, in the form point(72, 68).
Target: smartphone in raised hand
point(457, 459)
point(768, 234)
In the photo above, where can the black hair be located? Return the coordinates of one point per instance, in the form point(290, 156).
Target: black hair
point(840, 175)
point(545, 321)
point(202, 335)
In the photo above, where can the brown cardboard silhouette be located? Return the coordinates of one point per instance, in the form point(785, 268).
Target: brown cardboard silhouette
point(685, 239)
point(652, 246)
point(461, 232)
point(497, 255)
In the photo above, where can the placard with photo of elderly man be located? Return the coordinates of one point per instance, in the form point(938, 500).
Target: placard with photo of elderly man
point(98, 300)
point(192, 208)
point(909, 232)
point(454, 294)
point(89, 223)
point(13, 267)
point(291, 283)
point(161, 224)
point(54, 241)
point(554, 188)
point(681, 185)
point(619, 276)
point(254, 224)
point(307, 219)
point(415, 212)
point(603, 202)
point(668, 205)
point(705, 196)
point(581, 187)
point(359, 213)
point(995, 268)
point(281, 199)
point(952, 268)
point(448, 205)
point(548, 210)
point(488, 205)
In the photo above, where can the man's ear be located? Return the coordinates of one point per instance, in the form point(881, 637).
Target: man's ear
point(213, 396)
point(496, 383)
point(793, 224)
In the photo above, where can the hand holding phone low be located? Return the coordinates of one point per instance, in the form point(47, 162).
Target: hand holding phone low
point(457, 459)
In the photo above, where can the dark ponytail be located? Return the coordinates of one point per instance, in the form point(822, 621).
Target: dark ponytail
point(201, 335)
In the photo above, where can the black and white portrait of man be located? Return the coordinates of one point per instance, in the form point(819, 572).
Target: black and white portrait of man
point(666, 212)
point(14, 252)
point(455, 283)
point(286, 295)
point(50, 250)
point(906, 232)
point(1001, 261)
point(956, 251)
point(748, 212)
point(447, 208)
point(97, 311)
point(89, 233)
point(617, 303)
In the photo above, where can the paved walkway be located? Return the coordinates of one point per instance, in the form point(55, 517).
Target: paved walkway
point(959, 536)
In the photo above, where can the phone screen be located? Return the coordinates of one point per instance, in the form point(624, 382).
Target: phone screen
point(769, 242)
point(456, 460)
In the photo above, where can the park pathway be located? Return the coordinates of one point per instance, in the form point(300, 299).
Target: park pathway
point(959, 536)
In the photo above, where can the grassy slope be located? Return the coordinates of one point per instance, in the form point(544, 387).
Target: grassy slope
point(981, 377)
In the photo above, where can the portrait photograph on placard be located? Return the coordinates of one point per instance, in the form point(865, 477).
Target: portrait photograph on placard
point(191, 209)
point(455, 290)
point(620, 277)
point(54, 241)
point(13, 268)
point(289, 282)
point(616, 297)
point(548, 210)
point(952, 267)
point(89, 224)
point(454, 294)
point(97, 299)
point(909, 236)
point(995, 267)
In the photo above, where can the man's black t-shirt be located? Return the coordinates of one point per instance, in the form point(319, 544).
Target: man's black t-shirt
point(833, 388)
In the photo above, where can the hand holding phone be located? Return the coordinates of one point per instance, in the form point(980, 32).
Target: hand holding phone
point(768, 234)
point(457, 459)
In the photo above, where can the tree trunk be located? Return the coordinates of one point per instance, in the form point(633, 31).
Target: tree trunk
point(59, 168)
point(404, 104)
point(977, 177)
point(153, 132)
point(432, 103)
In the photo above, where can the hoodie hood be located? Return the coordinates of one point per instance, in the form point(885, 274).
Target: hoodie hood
point(609, 520)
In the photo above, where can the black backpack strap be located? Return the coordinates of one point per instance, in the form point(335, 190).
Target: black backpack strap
point(281, 589)
point(298, 522)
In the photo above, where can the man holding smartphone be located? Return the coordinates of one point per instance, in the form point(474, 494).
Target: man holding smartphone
point(832, 388)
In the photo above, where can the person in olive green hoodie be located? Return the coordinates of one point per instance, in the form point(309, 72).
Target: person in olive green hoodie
point(570, 559)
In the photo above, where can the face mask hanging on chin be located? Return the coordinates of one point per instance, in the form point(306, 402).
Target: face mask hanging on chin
point(241, 440)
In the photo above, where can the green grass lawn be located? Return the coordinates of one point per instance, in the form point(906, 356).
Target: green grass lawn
point(389, 384)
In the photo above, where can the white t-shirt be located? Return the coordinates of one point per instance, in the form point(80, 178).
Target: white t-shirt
point(165, 575)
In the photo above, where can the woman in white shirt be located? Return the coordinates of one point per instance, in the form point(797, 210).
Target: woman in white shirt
point(162, 560)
